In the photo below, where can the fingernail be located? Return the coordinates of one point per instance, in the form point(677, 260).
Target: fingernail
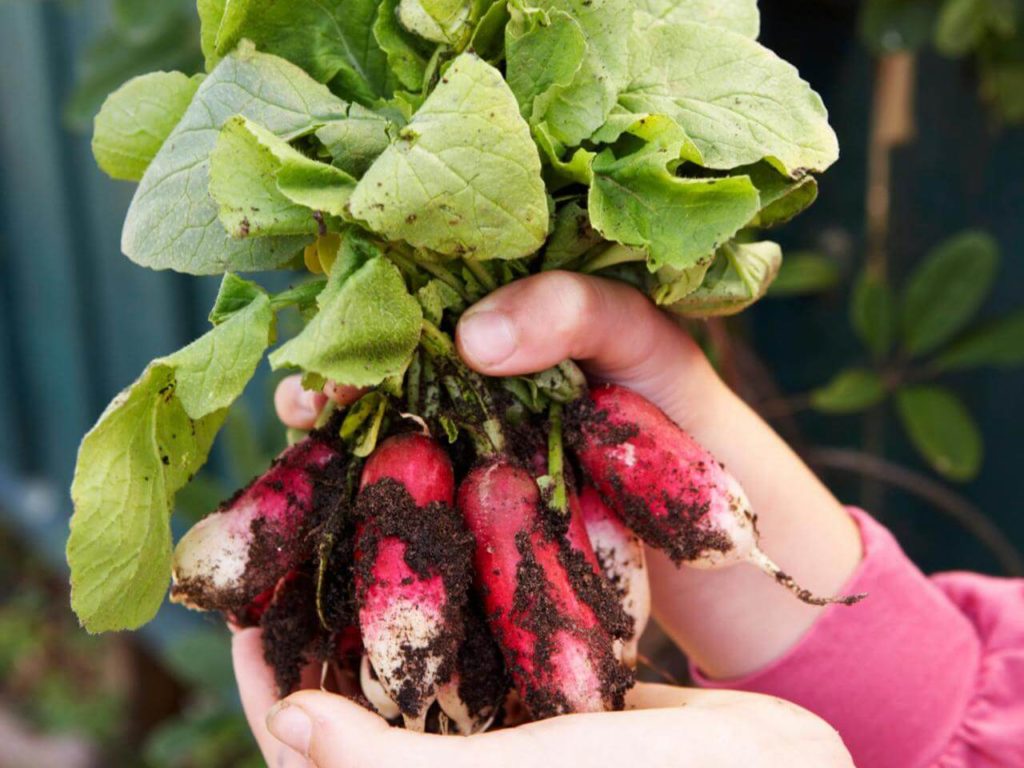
point(291, 725)
point(487, 337)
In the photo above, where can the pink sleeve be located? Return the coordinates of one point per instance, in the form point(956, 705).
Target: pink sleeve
point(923, 673)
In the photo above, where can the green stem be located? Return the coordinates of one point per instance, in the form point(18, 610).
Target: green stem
point(611, 257)
point(447, 278)
point(481, 273)
point(465, 388)
point(559, 501)
point(300, 294)
point(414, 382)
point(325, 415)
point(437, 343)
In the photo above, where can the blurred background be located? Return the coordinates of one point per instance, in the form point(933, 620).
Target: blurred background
point(889, 352)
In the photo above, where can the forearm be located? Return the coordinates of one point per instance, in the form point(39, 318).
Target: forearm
point(736, 620)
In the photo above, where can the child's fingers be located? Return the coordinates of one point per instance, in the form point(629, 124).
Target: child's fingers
point(299, 408)
point(614, 331)
point(730, 621)
point(334, 732)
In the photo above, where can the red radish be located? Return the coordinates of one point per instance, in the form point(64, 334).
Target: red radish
point(586, 574)
point(412, 571)
point(558, 653)
point(621, 555)
point(236, 554)
point(669, 489)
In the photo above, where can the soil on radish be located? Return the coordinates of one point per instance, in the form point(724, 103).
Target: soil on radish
point(483, 679)
point(290, 626)
point(436, 543)
point(677, 529)
point(535, 611)
point(596, 592)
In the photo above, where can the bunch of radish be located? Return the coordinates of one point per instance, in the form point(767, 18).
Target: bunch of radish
point(466, 552)
point(478, 580)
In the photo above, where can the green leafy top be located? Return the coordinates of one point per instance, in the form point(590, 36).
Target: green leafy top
point(420, 153)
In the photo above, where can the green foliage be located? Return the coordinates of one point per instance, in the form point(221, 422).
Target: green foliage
point(739, 277)
point(366, 331)
point(805, 273)
point(990, 32)
point(947, 290)
point(851, 391)
point(145, 447)
point(942, 429)
point(873, 313)
point(463, 177)
point(998, 343)
point(172, 222)
point(136, 119)
point(639, 200)
point(942, 297)
point(736, 100)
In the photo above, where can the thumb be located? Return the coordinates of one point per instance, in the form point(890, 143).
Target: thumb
point(334, 732)
point(614, 331)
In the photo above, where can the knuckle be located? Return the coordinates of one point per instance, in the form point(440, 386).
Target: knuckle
point(579, 299)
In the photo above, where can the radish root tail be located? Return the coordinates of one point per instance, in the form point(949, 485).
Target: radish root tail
point(762, 561)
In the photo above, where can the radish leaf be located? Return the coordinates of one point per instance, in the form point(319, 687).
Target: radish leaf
point(736, 15)
point(463, 177)
point(740, 275)
point(781, 197)
point(637, 200)
point(172, 222)
point(407, 54)
point(136, 119)
point(366, 331)
point(572, 111)
point(332, 40)
point(737, 100)
point(355, 142)
point(265, 187)
point(146, 446)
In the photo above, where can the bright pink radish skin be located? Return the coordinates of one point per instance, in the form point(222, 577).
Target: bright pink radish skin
point(621, 555)
point(669, 489)
point(407, 571)
point(560, 657)
point(236, 554)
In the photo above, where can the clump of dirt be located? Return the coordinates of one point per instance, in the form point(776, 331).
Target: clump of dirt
point(290, 625)
point(483, 680)
point(596, 591)
point(585, 424)
point(676, 529)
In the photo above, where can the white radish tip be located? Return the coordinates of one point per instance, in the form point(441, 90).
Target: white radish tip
point(375, 693)
point(453, 708)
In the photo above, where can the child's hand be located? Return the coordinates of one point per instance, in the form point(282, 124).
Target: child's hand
point(674, 727)
point(729, 622)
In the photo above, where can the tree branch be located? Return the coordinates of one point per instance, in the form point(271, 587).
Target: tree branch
point(952, 504)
